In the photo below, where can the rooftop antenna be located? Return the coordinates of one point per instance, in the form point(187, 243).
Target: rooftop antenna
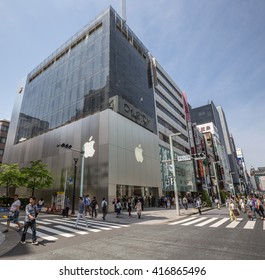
point(123, 10)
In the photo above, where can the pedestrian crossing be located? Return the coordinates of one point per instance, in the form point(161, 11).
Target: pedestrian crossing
point(53, 228)
point(216, 222)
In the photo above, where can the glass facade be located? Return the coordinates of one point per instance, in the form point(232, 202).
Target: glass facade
point(130, 84)
point(86, 75)
point(71, 84)
point(184, 173)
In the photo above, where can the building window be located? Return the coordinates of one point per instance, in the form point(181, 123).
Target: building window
point(4, 128)
point(2, 140)
point(1, 152)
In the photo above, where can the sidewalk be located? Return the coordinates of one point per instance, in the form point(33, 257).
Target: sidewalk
point(150, 216)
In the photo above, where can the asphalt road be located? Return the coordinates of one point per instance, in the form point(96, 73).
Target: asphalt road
point(159, 241)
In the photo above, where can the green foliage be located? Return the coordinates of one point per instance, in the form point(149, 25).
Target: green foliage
point(206, 198)
point(37, 176)
point(223, 195)
point(10, 175)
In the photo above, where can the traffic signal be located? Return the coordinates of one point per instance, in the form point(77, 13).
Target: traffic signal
point(63, 145)
point(198, 156)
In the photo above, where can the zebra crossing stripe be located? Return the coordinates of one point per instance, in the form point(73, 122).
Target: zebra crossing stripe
point(182, 221)
point(56, 231)
point(72, 230)
point(194, 222)
point(220, 222)
point(250, 225)
point(72, 223)
point(43, 235)
point(42, 222)
point(234, 223)
point(206, 222)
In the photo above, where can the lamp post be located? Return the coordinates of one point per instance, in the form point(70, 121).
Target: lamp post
point(174, 171)
point(73, 204)
point(216, 177)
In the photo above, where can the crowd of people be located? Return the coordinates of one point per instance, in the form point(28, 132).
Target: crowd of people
point(251, 205)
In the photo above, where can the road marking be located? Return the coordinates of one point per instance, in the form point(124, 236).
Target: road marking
point(56, 231)
point(72, 230)
point(206, 222)
point(194, 222)
point(234, 223)
point(179, 222)
point(43, 236)
point(220, 222)
point(43, 223)
point(250, 225)
point(72, 223)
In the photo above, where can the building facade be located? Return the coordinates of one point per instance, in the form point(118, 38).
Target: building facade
point(4, 126)
point(101, 89)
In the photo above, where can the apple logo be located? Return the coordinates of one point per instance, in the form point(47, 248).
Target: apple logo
point(139, 153)
point(89, 148)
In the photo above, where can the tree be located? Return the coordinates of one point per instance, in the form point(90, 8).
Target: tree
point(37, 176)
point(10, 175)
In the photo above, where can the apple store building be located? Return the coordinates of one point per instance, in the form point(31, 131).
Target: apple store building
point(95, 94)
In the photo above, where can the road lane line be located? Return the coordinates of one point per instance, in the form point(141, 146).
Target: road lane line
point(220, 222)
point(206, 222)
point(182, 221)
point(194, 222)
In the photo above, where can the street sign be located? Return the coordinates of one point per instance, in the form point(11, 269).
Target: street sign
point(184, 158)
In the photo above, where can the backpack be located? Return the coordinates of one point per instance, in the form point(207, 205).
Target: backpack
point(104, 207)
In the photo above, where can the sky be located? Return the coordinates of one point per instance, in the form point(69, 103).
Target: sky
point(214, 50)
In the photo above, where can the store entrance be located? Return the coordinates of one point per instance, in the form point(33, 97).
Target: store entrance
point(148, 194)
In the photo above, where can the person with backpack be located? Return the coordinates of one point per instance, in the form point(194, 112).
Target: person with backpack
point(104, 205)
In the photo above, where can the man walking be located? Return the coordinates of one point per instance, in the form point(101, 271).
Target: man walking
point(30, 221)
point(81, 212)
point(104, 208)
point(14, 214)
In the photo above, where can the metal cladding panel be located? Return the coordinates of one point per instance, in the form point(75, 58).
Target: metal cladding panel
point(136, 162)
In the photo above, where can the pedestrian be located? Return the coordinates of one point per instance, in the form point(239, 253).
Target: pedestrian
point(138, 208)
point(14, 214)
point(31, 213)
point(118, 208)
point(87, 202)
point(129, 207)
point(94, 207)
point(231, 208)
point(217, 203)
point(81, 212)
point(198, 204)
point(185, 202)
point(260, 208)
point(66, 207)
point(104, 205)
point(40, 204)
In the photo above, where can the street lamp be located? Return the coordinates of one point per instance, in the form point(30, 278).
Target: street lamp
point(174, 171)
point(217, 181)
point(73, 204)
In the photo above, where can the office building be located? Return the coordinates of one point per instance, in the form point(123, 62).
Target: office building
point(98, 92)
